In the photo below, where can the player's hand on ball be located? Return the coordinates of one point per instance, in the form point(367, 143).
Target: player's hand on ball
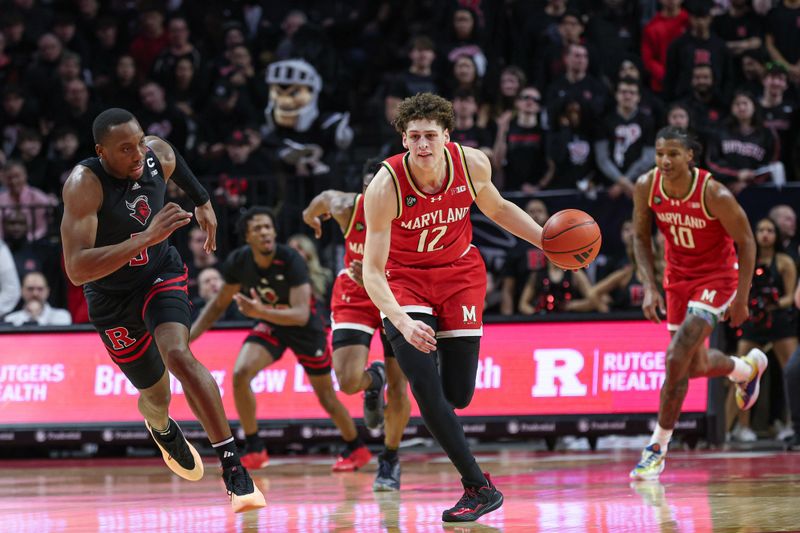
point(653, 306)
point(419, 335)
point(250, 307)
point(737, 312)
point(166, 221)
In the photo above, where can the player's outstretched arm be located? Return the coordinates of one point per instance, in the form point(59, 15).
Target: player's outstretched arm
point(722, 204)
point(213, 310)
point(175, 168)
point(330, 203)
point(83, 197)
point(381, 207)
point(643, 248)
point(505, 214)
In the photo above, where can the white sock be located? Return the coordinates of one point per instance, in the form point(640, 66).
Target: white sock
point(662, 437)
point(742, 371)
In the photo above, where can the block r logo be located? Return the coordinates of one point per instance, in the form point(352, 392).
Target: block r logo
point(119, 337)
point(562, 364)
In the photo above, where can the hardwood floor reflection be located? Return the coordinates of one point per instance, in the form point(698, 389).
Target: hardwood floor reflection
point(699, 491)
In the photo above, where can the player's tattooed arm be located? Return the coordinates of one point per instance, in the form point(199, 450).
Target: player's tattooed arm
point(330, 203)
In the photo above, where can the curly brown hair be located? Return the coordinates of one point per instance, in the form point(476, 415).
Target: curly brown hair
point(425, 106)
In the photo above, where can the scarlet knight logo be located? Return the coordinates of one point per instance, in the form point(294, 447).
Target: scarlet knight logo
point(140, 209)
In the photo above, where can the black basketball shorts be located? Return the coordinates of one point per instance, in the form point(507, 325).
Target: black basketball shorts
point(126, 322)
point(310, 345)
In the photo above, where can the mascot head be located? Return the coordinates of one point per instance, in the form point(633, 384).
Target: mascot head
point(294, 87)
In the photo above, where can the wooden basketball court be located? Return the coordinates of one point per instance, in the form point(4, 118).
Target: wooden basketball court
point(576, 491)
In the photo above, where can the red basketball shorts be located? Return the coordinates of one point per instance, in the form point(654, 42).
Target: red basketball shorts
point(351, 307)
point(454, 293)
point(710, 294)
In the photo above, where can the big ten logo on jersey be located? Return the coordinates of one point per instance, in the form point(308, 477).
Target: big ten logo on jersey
point(120, 338)
point(458, 190)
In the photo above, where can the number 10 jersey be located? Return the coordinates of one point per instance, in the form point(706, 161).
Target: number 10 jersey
point(697, 245)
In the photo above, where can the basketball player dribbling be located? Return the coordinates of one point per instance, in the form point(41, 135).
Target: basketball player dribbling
point(114, 233)
point(700, 220)
point(354, 320)
point(429, 281)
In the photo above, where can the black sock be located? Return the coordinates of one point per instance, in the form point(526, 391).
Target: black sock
point(389, 454)
point(376, 378)
point(354, 444)
point(227, 452)
point(254, 442)
point(169, 433)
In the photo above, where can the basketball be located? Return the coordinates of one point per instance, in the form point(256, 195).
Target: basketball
point(571, 239)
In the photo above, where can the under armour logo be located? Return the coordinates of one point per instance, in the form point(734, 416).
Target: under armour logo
point(436, 198)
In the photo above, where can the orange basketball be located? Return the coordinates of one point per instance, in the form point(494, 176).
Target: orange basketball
point(571, 239)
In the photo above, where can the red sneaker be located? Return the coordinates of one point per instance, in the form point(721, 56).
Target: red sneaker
point(255, 460)
point(357, 458)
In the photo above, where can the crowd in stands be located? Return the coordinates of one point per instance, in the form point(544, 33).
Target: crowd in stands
point(564, 97)
point(561, 95)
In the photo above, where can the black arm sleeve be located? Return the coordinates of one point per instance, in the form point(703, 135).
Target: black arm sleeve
point(186, 180)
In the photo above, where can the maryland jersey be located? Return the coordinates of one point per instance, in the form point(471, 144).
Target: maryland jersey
point(128, 209)
point(696, 243)
point(356, 233)
point(431, 230)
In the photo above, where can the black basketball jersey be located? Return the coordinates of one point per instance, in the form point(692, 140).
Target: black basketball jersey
point(288, 269)
point(128, 208)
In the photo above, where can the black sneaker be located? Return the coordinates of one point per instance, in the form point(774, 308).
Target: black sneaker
point(475, 503)
point(244, 495)
point(179, 455)
point(388, 478)
point(373, 399)
point(792, 443)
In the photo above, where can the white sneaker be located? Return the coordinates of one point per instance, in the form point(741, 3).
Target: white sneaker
point(744, 434)
point(747, 391)
point(784, 432)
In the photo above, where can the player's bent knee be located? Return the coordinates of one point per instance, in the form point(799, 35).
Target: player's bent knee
point(180, 361)
point(155, 397)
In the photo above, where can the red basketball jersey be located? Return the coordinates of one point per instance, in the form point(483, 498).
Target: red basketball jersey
point(356, 233)
point(696, 243)
point(431, 230)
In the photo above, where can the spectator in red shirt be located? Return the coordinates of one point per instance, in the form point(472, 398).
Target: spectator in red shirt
point(150, 41)
point(666, 26)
